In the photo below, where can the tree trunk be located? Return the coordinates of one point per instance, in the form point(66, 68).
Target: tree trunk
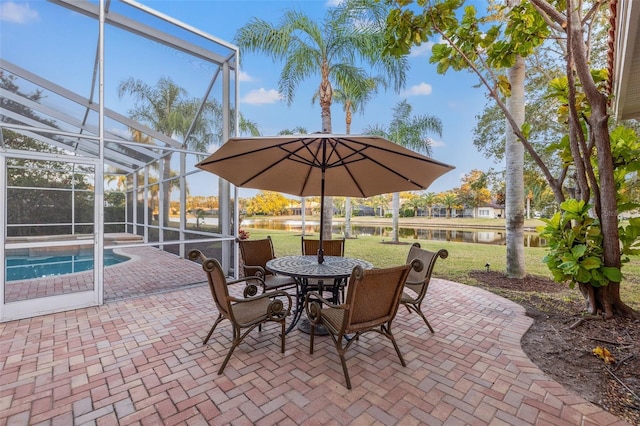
point(326, 95)
point(303, 208)
point(395, 207)
point(514, 152)
point(606, 299)
point(347, 217)
point(348, 117)
point(347, 200)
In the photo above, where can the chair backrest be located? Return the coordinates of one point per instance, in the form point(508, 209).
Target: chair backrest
point(330, 247)
point(373, 297)
point(217, 282)
point(419, 280)
point(256, 252)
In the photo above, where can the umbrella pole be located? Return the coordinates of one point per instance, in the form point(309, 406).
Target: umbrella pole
point(320, 246)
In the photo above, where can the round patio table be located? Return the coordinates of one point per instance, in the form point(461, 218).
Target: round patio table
point(304, 268)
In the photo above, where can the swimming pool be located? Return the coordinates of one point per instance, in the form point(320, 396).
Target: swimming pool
point(29, 267)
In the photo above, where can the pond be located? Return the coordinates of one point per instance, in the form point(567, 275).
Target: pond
point(466, 235)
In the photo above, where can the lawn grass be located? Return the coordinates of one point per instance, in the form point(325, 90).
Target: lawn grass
point(463, 258)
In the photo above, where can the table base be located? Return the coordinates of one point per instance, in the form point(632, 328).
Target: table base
point(304, 325)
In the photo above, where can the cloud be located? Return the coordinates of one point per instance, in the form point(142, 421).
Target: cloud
point(425, 48)
point(261, 96)
point(18, 13)
point(436, 144)
point(422, 89)
point(244, 76)
point(333, 3)
point(422, 50)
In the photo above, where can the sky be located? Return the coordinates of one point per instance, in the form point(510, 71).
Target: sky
point(454, 97)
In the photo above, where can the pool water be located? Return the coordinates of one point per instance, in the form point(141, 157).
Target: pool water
point(26, 267)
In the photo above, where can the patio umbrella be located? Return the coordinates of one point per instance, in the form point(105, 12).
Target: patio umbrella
point(323, 164)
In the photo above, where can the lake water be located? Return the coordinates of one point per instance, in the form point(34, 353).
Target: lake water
point(466, 235)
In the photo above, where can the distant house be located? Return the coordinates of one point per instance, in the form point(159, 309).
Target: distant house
point(491, 211)
point(362, 210)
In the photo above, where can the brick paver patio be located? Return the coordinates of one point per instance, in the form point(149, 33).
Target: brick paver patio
point(141, 361)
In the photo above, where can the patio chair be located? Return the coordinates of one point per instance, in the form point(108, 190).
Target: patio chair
point(330, 248)
point(371, 305)
point(244, 313)
point(418, 281)
point(255, 254)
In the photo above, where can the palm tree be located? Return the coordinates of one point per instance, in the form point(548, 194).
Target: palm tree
point(354, 95)
point(514, 157)
point(166, 109)
point(328, 50)
point(449, 200)
point(429, 199)
point(414, 203)
point(411, 132)
point(379, 203)
point(248, 126)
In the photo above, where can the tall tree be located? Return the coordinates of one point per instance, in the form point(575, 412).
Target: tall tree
point(329, 50)
point(583, 98)
point(414, 202)
point(409, 131)
point(248, 126)
point(514, 153)
point(429, 200)
point(166, 108)
point(354, 95)
point(450, 201)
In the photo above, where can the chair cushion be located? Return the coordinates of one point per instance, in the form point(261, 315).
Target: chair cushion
point(407, 298)
point(333, 317)
point(278, 281)
point(250, 312)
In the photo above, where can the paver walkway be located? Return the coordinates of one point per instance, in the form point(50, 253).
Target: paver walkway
point(141, 361)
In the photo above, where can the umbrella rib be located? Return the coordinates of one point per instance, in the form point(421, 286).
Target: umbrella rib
point(365, 156)
point(290, 154)
point(346, 163)
point(314, 156)
point(230, 157)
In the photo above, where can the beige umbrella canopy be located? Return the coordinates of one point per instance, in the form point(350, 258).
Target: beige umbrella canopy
point(323, 164)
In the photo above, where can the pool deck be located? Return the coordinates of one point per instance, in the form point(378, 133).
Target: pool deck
point(140, 361)
point(149, 270)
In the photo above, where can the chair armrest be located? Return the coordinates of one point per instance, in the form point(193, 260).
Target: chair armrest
point(255, 270)
point(250, 289)
point(276, 309)
point(314, 308)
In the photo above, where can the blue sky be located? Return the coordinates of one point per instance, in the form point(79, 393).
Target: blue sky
point(451, 97)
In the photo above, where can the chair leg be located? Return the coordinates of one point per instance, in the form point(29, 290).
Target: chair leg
point(419, 311)
point(343, 361)
point(215, 324)
point(282, 337)
point(386, 330)
point(236, 341)
point(312, 332)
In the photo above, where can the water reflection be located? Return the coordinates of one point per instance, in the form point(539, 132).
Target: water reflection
point(478, 236)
